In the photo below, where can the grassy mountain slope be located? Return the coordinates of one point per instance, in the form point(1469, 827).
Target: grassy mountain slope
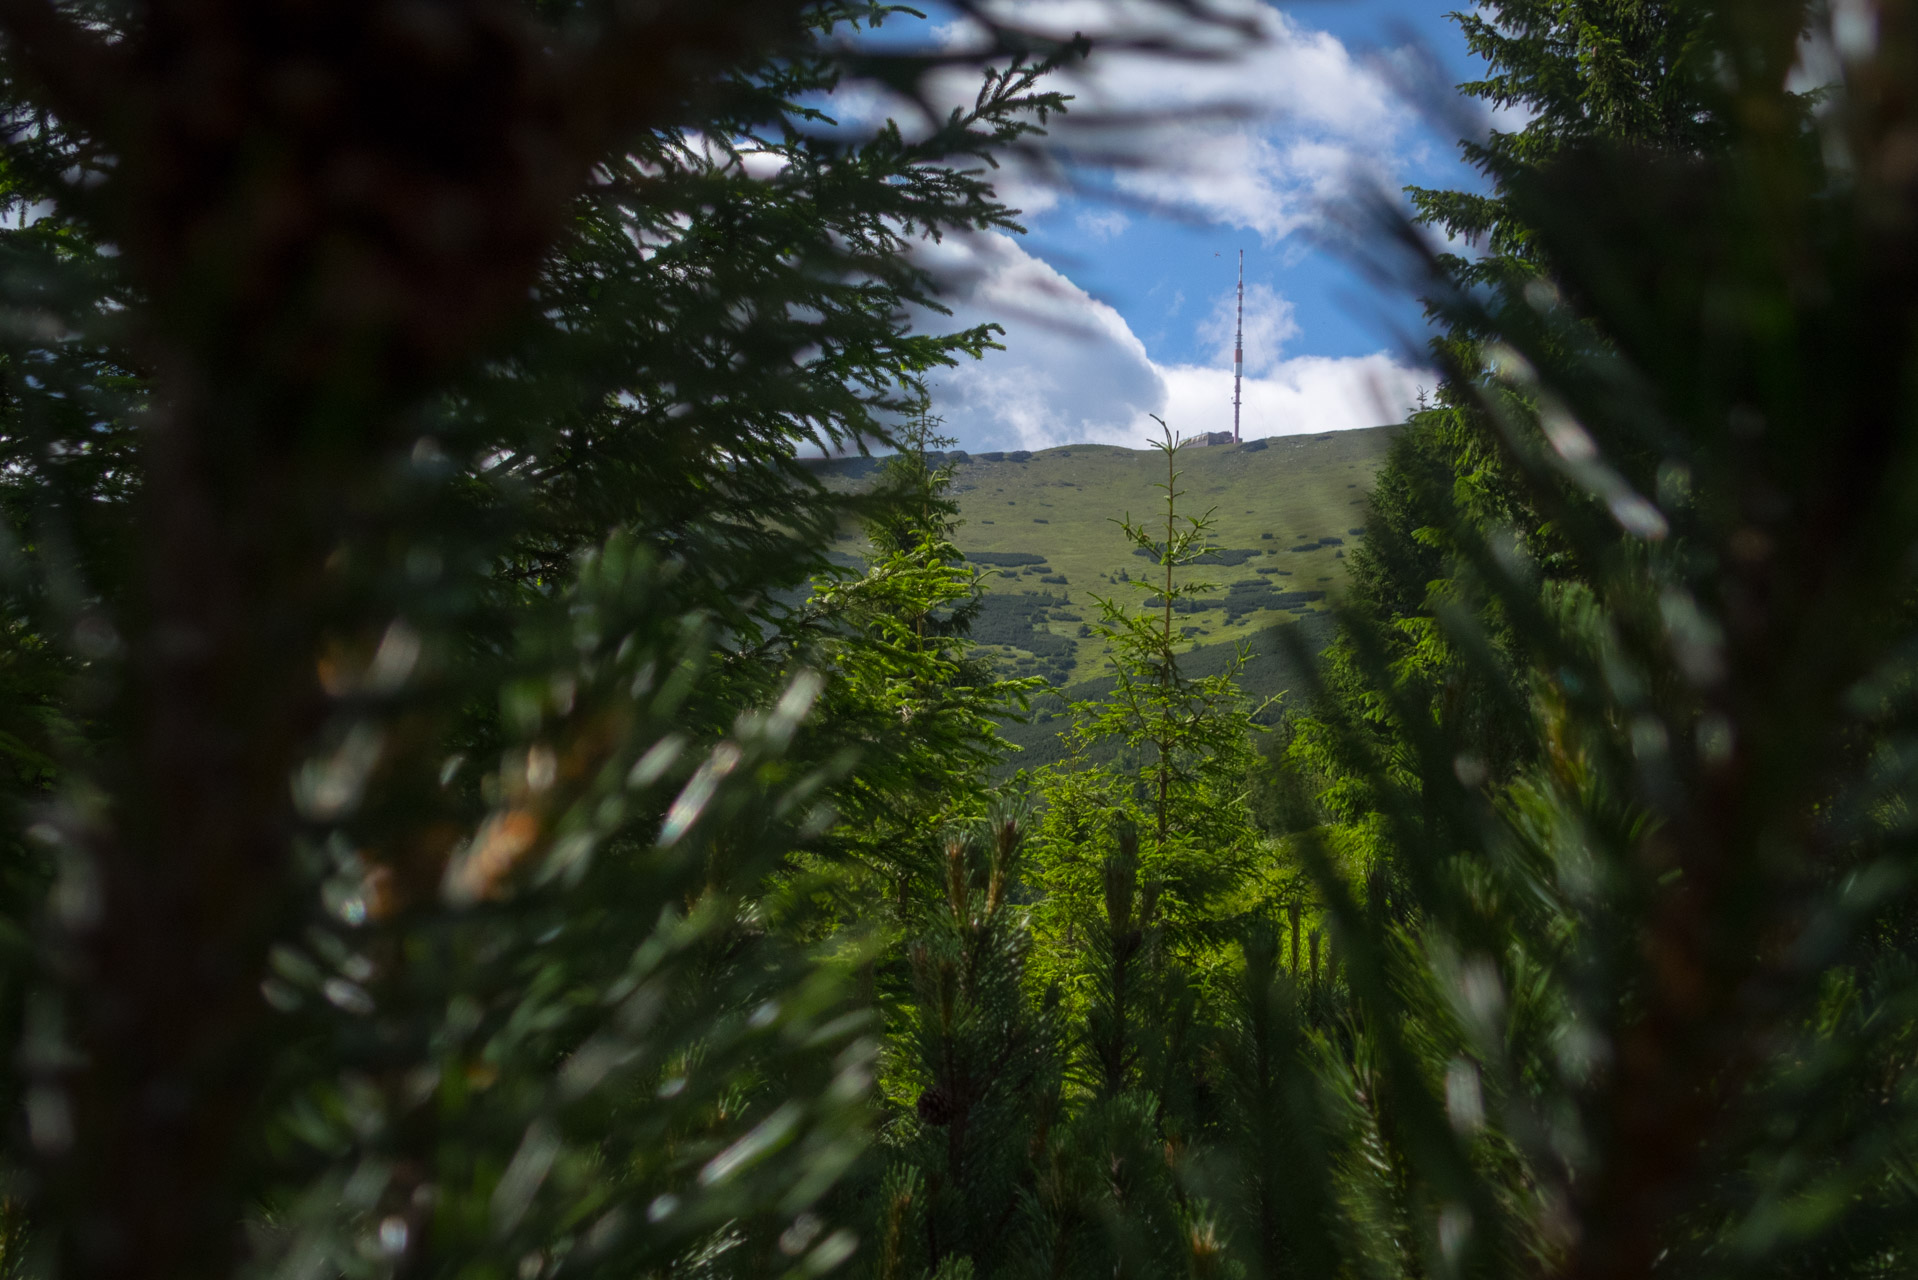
point(1041, 527)
point(1270, 671)
point(1285, 510)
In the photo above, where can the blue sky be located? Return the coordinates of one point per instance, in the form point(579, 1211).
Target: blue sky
point(1155, 261)
point(1120, 307)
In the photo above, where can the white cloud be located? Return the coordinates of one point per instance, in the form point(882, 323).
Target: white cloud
point(1074, 371)
point(1267, 139)
point(1073, 368)
point(1300, 396)
point(1270, 322)
point(1102, 224)
point(1260, 138)
point(1258, 135)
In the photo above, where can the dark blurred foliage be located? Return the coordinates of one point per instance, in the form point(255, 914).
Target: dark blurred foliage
point(1618, 717)
point(463, 817)
point(410, 736)
point(1633, 76)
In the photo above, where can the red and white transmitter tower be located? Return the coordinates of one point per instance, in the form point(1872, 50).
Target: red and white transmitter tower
point(1238, 351)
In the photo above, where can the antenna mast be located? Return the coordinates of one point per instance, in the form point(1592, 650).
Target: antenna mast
point(1238, 351)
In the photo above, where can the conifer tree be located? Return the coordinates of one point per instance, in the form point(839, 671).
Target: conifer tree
point(412, 411)
point(1273, 1140)
point(1135, 864)
point(1626, 74)
point(1179, 791)
point(911, 695)
point(982, 1058)
point(1609, 1027)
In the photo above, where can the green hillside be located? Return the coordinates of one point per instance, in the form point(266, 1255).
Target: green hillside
point(1286, 510)
point(1042, 524)
point(1042, 527)
point(1269, 672)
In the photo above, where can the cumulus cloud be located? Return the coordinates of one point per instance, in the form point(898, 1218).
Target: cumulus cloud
point(1073, 368)
point(1300, 396)
point(1259, 135)
point(1074, 371)
point(1264, 138)
point(1270, 322)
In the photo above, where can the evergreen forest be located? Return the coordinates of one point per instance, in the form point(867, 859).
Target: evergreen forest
point(464, 814)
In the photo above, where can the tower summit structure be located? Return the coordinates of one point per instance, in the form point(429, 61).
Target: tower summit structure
point(1238, 351)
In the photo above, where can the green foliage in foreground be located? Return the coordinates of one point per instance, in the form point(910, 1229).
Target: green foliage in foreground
point(430, 725)
point(1618, 714)
point(430, 881)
